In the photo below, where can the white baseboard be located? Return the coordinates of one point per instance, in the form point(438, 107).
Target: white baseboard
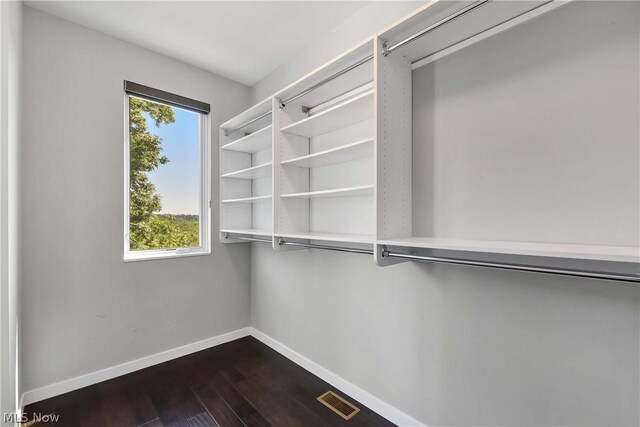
point(372, 402)
point(76, 383)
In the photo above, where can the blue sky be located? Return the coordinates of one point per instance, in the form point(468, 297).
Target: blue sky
point(178, 182)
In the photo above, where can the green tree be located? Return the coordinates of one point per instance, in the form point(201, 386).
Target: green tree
point(145, 154)
point(166, 231)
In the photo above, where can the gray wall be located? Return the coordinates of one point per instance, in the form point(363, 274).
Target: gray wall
point(84, 308)
point(10, 81)
point(353, 30)
point(459, 345)
point(491, 146)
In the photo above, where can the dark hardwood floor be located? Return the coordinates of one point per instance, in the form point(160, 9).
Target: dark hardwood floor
point(241, 383)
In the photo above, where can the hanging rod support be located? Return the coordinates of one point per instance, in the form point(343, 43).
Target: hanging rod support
point(284, 102)
point(518, 267)
point(386, 50)
point(247, 239)
point(228, 132)
point(282, 242)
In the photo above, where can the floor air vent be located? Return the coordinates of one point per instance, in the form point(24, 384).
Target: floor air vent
point(338, 405)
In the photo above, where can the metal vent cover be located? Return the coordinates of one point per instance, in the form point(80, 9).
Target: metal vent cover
point(338, 405)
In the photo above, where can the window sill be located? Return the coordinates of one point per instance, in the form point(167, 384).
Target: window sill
point(151, 256)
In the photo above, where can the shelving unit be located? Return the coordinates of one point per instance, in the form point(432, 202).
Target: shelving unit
point(246, 171)
point(401, 144)
point(490, 185)
point(324, 143)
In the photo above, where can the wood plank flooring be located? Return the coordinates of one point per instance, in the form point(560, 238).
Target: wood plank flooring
point(243, 383)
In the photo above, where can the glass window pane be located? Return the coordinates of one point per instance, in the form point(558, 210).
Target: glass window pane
point(164, 176)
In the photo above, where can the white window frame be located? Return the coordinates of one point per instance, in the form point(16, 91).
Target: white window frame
point(205, 194)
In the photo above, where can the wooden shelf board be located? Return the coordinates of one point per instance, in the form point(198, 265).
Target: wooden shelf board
point(347, 113)
point(257, 141)
point(341, 154)
point(254, 172)
point(555, 250)
point(247, 199)
point(248, 231)
point(329, 237)
point(362, 190)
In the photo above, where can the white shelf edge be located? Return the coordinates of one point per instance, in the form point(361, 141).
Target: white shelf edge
point(329, 237)
point(230, 146)
point(327, 111)
point(235, 174)
point(291, 162)
point(340, 98)
point(554, 250)
point(361, 190)
point(246, 199)
point(254, 111)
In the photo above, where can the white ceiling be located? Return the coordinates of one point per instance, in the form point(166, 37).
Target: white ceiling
point(241, 40)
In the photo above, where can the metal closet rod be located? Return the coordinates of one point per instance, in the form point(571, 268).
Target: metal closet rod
point(456, 261)
point(228, 132)
point(284, 102)
point(387, 51)
point(518, 267)
point(282, 242)
point(247, 239)
point(473, 6)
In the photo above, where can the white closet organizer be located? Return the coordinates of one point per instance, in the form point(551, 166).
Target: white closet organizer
point(246, 170)
point(476, 133)
point(324, 144)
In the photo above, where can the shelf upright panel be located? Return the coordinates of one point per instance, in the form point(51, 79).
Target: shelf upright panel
point(245, 158)
point(392, 148)
point(288, 214)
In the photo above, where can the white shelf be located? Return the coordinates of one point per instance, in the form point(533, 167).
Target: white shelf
point(347, 113)
point(248, 115)
point(254, 172)
point(247, 199)
point(248, 231)
point(330, 237)
point(362, 190)
point(555, 250)
point(257, 141)
point(344, 153)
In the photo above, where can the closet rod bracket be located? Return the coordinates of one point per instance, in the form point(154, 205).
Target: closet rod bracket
point(385, 49)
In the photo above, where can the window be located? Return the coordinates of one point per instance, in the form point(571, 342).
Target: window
point(167, 202)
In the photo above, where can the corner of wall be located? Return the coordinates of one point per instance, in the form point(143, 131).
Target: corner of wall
point(10, 135)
